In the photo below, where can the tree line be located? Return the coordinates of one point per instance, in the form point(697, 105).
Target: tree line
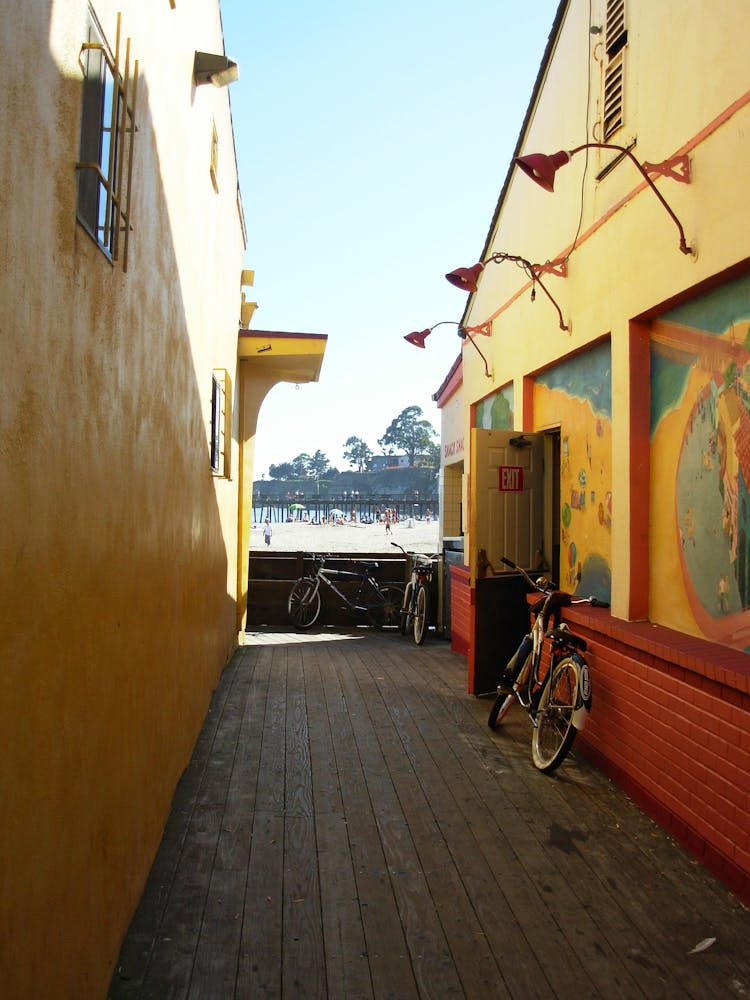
point(409, 434)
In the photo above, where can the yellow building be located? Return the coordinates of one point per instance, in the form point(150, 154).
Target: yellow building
point(127, 425)
point(607, 371)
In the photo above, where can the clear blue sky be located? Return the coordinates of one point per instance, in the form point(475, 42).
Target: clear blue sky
point(372, 141)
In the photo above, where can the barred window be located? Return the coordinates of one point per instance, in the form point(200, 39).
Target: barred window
point(220, 434)
point(106, 149)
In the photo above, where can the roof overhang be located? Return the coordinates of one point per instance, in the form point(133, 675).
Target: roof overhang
point(286, 357)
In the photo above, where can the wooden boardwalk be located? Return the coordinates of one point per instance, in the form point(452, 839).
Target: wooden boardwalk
point(349, 827)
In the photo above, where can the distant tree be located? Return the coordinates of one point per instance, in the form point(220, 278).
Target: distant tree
point(431, 456)
point(409, 433)
point(301, 465)
point(318, 465)
point(284, 470)
point(357, 453)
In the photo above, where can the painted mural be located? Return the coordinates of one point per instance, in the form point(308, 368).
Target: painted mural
point(577, 396)
point(495, 413)
point(700, 459)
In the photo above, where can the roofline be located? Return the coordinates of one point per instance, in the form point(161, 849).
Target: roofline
point(280, 334)
point(450, 383)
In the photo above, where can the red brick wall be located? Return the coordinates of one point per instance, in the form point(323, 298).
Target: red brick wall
point(670, 723)
point(462, 619)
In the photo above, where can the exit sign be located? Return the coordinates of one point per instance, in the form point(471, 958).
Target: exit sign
point(510, 479)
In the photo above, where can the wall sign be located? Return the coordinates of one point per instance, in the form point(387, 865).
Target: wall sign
point(510, 479)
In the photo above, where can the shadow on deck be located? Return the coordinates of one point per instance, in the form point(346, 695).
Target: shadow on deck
point(349, 827)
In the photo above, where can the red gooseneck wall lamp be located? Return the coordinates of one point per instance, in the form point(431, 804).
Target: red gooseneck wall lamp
point(465, 333)
point(542, 168)
point(466, 278)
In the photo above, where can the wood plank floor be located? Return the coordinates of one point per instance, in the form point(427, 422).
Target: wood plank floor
point(349, 827)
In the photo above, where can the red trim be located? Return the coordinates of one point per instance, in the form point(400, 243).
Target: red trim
point(453, 381)
point(689, 146)
point(527, 402)
point(639, 418)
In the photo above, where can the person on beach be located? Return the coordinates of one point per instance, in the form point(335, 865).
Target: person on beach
point(267, 532)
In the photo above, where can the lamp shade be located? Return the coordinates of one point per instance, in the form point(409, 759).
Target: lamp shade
point(466, 278)
point(542, 168)
point(216, 69)
point(418, 337)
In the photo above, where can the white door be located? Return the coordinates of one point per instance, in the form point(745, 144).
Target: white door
point(507, 497)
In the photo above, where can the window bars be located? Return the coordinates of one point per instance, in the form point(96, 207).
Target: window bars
point(107, 133)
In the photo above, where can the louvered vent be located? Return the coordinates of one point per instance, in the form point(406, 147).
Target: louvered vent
point(613, 82)
point(617, 33)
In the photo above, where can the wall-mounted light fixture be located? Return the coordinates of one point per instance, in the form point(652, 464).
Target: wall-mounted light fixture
point(542, 168)
point(218, 70)
point(465, 333)
point(467, 278)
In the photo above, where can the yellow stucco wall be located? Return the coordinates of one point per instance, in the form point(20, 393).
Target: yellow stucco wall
point(266, 358)
point(118, 549)
point(626, 262)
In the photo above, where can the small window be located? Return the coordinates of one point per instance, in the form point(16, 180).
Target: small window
point(106, 149)
point(219, 423)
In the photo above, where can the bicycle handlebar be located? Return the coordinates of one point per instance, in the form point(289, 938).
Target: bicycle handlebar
point(545, 586)
point(419, 556)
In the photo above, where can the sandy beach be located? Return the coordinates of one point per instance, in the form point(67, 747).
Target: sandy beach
point(298, 536)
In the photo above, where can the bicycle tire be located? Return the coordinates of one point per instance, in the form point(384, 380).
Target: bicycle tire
point(304, 602)
point(554, 731)
point(505, 699)
point(387, 611)
point(421, 616)
point(502, 705)
point(406, 612)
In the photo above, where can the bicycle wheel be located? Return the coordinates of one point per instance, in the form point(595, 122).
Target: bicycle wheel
point(304, 602)
point(421, 618)
point(506, 700)
point(387, 611)
point(554, 732)
point(406, 612)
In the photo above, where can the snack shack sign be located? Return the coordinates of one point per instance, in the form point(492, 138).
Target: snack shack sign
point(510, 479)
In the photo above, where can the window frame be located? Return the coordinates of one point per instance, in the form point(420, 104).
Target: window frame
point(220, 436)
point(107, 133)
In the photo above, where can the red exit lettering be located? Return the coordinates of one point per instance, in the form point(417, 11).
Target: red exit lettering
point(510, 479)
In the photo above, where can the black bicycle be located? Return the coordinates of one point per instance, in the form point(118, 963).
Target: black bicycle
point(555, 691)
point(381, 606)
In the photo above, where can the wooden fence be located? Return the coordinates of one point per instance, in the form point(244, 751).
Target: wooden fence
point(272, 575)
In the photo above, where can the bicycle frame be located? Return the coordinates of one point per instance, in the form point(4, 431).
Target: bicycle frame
point(326, 574)
point(534, 682)
point(557, 699)
point(415, 607)
point(378, 604)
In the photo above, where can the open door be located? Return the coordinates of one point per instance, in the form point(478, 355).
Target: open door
point(507, 497)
